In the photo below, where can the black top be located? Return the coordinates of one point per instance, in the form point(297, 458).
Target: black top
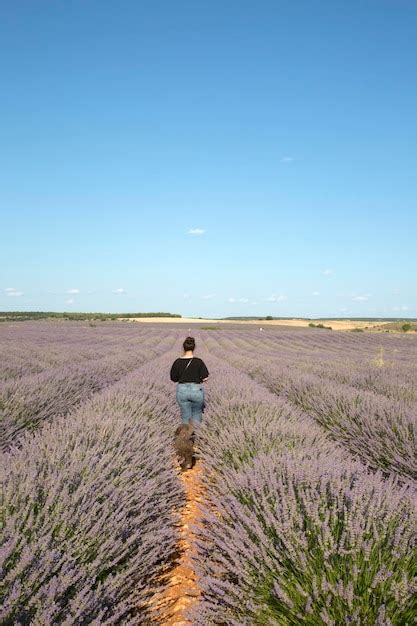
point(194, 373)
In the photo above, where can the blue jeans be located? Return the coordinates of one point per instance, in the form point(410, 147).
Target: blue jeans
point(190, 397)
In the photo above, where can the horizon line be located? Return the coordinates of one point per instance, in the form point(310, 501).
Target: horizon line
point(197, 317)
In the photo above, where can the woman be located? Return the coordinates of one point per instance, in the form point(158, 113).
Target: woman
point(189, 372)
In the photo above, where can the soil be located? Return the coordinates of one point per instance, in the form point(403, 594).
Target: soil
point(182, 589)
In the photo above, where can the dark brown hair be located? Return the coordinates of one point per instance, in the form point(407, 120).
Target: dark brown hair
point(189, 344)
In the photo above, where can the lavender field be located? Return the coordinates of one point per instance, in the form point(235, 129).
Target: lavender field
point(309, 467)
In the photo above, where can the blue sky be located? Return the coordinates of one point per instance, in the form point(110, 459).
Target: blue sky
point(209, 158)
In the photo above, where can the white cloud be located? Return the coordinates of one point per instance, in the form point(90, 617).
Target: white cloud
point(11, 291)
point(400, 308)
point(119, 290)
point(196, 231)
point(362, 298)
point(287, 159)
point(344, 310)
point(209, 296)
point(70, 301)
point(72, 291)
point(244, 300)
point(186, 296)
point(327, 272)
point(316, 293)
point(279, 298)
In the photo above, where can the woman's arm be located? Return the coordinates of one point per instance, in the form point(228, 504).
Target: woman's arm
point(174, 372)
point(204, 373)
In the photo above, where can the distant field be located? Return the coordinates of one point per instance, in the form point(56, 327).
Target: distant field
point(341, 324)
point(301, 323)
point(306, 476)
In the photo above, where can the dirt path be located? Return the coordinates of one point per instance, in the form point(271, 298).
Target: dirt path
point(182, 588)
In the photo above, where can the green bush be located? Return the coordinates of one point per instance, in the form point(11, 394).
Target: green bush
point(319, 326)
point(406, 327)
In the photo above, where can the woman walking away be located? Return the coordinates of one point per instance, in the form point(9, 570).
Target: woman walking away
point(189, 372)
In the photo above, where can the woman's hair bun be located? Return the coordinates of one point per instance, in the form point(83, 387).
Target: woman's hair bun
point(189, 343)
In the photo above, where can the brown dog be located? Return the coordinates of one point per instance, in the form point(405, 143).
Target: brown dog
point(184, 445)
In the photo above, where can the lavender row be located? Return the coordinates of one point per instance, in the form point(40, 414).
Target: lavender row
point(90, 509)
point(332, 345)
point(40, 346)
point(293, 530)
point(392, 372)
point(296, 539)
point(24, 404)
point(244, 419)
point(380, 430)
